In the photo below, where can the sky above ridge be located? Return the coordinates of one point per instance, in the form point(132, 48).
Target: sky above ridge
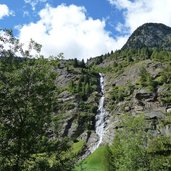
point(80, 28)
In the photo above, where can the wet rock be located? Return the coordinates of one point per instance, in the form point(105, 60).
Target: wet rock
point(109, 131)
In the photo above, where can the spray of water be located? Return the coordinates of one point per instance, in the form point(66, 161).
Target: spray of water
point(99, 126)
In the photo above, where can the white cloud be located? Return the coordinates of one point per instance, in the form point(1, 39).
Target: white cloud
point(67, 29)
point(33, 3)
point(4, 11)
point(139, 12)
point(119, 27)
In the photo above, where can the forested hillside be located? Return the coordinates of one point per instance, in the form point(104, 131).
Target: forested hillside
point(50, 107)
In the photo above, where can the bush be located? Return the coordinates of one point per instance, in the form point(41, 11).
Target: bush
point(128, 149)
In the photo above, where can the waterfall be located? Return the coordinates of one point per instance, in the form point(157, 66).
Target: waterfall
point(99, 126)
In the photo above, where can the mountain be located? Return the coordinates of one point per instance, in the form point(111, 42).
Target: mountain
point(151, 35)
point(137, 84)
point(111, 113)
point(136, 81)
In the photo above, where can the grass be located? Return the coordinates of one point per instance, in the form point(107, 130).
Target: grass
point(76, 147)
point(97, 161)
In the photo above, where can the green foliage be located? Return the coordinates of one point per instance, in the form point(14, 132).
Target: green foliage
point(77, 63)
point(165, 96)
point(166, 75)
point(134, 149)
point(85, 122)
point(86, 84)
point(146, 80)
point(160, 55)
point(77, 146)
point(28, 100)
point(128, 150)
point(159, 150)
point(120, 93)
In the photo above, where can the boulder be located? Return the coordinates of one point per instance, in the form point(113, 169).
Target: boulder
point(138, 108)
point(168, 110)
point(127, 108)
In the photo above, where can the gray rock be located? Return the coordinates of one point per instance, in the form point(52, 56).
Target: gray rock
point(151, 35)
point(166, 130)
point(154, 114)
point(162, 89)
point(143, 94)
point(127, 108)
point(168, 110)
point(138, 108)
point(64, 95)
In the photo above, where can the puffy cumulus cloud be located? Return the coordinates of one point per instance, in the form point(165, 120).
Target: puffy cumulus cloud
point(67, 29)
point(139, 12)
point(4, 11)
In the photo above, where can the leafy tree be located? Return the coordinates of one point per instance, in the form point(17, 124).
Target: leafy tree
point(119, 93)
point(159, 150)
point(28, 100)
point(146, 80)
point(128, 151)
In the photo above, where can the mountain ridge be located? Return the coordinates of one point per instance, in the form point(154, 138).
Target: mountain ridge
point(150, 35)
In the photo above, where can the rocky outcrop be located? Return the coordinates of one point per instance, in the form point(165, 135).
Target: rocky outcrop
point(145, 95)
point(140, 100)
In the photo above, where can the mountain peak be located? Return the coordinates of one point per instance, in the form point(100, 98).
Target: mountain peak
point(151, 35)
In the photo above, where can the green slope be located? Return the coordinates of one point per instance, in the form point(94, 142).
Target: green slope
point(97, 161)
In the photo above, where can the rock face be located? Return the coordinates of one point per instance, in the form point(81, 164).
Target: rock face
point(151, 35)
point(77, 100)
point(122, 81)
point(140, 100)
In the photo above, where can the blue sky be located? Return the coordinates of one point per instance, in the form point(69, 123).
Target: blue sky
point(97, 9)
point(80, 28)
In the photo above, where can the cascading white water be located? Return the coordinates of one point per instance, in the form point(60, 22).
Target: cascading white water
point(99, 126)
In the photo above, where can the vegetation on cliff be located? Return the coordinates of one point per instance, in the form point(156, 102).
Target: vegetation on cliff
point(48, 107)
